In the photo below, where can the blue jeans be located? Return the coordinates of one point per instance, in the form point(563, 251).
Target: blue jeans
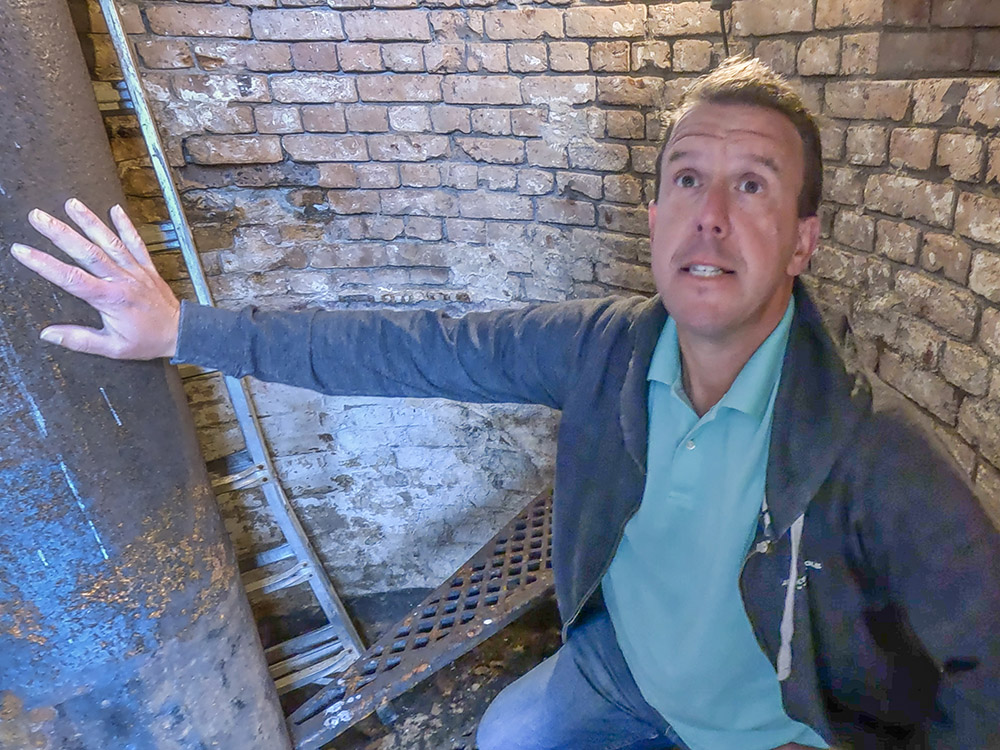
point(582, 698)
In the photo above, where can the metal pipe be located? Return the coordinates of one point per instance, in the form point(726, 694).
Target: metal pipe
point(123, 623)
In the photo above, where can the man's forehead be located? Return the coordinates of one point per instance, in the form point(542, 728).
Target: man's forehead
point(759, 128)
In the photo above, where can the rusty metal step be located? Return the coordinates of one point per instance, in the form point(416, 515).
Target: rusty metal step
point(508, 575)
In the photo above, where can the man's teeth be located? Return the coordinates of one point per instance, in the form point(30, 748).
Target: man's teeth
point(700, 270)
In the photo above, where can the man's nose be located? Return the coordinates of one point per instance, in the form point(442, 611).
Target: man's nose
point(713, 216)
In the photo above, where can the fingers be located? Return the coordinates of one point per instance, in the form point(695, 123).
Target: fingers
point(84, 252)
point(98, 233)
point(72, 279)
point(83, 339)
point(130, 236)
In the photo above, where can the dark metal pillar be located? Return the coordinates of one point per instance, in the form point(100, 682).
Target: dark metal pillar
point(123, 625)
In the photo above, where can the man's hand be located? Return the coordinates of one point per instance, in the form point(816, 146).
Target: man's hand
point(116, 277)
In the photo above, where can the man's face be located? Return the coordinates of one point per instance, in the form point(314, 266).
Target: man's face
point(724, 231)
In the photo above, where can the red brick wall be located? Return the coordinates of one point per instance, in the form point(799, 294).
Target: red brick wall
point(474, 153)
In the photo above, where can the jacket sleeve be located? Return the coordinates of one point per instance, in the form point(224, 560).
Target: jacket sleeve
point(938, 552)
point(526, 355)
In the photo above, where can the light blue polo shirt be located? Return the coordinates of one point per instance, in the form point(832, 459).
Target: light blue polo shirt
point(673, 587)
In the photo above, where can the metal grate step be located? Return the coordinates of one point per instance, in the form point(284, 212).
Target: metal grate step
point(511, 573)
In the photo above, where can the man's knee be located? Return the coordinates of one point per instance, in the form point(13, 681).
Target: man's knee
point(504, 726)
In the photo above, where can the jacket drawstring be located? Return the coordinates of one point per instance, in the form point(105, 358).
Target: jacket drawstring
point(788, 616)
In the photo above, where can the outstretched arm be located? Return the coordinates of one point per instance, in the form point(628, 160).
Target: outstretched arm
point(115, 276)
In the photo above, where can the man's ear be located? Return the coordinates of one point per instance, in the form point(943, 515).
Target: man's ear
point(806, 242)
point(652, 219)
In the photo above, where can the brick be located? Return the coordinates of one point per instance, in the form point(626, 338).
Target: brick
point(819, 56)
point(625, 124)
point(234, 149)
point(275, 119)
point(982, 104)
point(491, 58)
point(965, 13)
point(844, 185)
point(313, 89)
point(420, 175)
point(977, 423)
point(445, 119)
point(986, 51)
point(962, 154)
point(984, 278)
point(692, 55)
point(765, 17)
point(566, 211)
point(407, 147)
point(565, 89)
point(387, 25)
point(377, 176)
point(621, 21)
point(912, 147)
point(497, 178)
point(868, 100)
point(579, 185)
point(897, 241)
point(463, 230)
point(653, 55)
point(988, 490)
point(337, 176)
point(401, 87)
point(194, 117)
point(525, 23)
point(623, 188)
point(627, 219)
point(610, 57)
point(353, 201)
point(459, 89)
point(779, 54)
point(534, 181)
point(683, 19)
point(199, 20)
point(910, 53)
point(832, 14)
point(920, 341)
point(410, 119)
point(527, 57)
point(568, 57)
point(367, 118)
point(528, 121)
point(633, 92)
point(867, 145)
point(296, 25)
point(644, 158)
point(966, 367)
point(165, 53)
point(860, 54)
point(989, 333)
point(254, 56)
point(315, 56)
point(324, 118)
point(925, 388)
point(598, 156)
point(937, 100)
point(910, 198)
point(626, 276)
point(951, 256)
point(832, 136)
point(906, 12)
point(360, 58)
point(454, 25)
point(403, 58)
point(993, 161)
point(218, 88)
point(541, 154)
point(490, 205)
point(978, 217)
point(325, 148)
point(448, 57)
point(948, 306)
point(416, 202)
point(493, 150)
point(460, 176)
point(855, 230)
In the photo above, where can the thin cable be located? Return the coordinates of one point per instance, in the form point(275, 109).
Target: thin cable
point(725, 36)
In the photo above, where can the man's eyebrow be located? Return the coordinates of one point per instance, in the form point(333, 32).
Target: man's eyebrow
point(765, 161)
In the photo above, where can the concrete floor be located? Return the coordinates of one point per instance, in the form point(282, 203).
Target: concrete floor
point(442, 712)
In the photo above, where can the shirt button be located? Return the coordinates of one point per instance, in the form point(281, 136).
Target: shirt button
point(689, 445)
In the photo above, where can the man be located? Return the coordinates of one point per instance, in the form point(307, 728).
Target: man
point(748, 553)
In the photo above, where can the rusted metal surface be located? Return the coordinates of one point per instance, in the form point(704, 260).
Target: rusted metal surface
point(122, 620)
point(512, 572)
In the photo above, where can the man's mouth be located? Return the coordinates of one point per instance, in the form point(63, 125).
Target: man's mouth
point(704, 271)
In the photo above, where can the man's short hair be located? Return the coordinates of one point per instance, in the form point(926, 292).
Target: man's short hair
point(746, 80)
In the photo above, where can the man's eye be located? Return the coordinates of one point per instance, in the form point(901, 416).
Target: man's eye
point(685, 180)
point(750, 186)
